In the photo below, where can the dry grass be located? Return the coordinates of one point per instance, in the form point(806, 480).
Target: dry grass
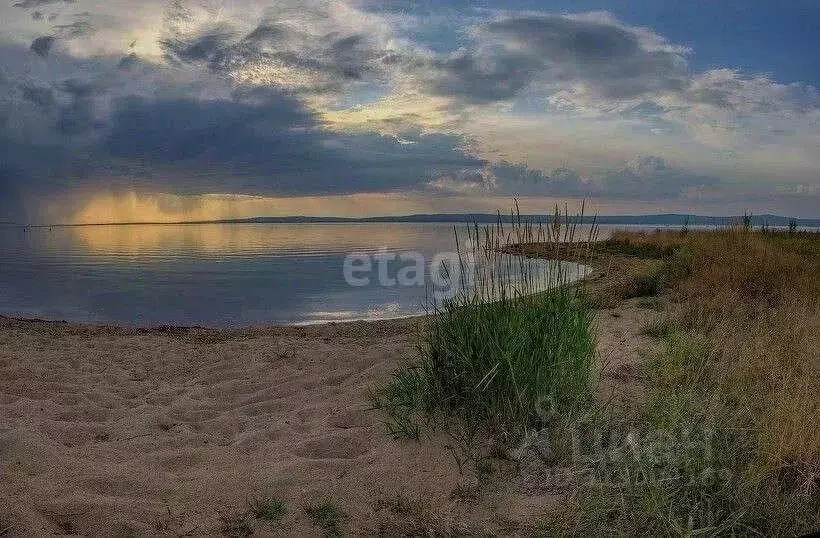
point(757, 296)
point(740, 375)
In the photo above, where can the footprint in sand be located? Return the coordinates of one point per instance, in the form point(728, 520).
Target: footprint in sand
point(359, 418)
point(333, 447)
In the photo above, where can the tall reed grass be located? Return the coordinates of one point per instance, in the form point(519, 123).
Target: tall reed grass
point(512, 346)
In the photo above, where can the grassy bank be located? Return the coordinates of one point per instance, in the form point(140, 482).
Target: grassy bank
point(727, 439)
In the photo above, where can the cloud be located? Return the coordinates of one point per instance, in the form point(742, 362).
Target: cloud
point(327, 49)
point(592, 64)
point(28, 4)
point(69, 107)
point(612, 60)
point(211, 47)
point(80, 26)
point(129, 61)
point(255, 141)
point(11, 208)
point(41, 96)
point(314, 48)
point(266, 142)
point(728, 89)
point(77, 116)
point(30, 174)
point(514, 179)
point(652, 177)
point(519, 179)
point(645, 177)
point(42, 45)
point(466, 181)
point(480, 80)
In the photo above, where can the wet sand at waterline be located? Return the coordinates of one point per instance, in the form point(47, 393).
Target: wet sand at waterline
point(117, 431)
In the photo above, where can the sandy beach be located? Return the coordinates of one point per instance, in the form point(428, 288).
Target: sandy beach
point(116, 431)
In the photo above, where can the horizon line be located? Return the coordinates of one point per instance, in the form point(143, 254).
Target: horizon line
point(261, 219)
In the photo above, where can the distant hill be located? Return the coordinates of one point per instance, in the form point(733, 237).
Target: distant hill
point(666, 219)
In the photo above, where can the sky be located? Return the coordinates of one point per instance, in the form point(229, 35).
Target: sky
point(204, 109)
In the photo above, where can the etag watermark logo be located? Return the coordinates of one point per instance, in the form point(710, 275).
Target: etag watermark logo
point(445, 272)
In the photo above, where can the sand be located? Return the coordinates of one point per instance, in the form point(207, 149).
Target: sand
point(110, 431)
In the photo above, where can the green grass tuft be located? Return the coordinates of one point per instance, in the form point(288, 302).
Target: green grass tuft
point(401, 399)
point(267, 508)
point(236, 525)
point(327, 516)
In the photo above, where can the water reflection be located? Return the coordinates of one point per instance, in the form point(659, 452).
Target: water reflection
point(211, 274)
point(240, 239)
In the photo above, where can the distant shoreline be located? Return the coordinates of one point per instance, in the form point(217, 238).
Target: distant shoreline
point(664, 219)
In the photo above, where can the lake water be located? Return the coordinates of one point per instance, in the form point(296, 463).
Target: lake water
point(216, 274)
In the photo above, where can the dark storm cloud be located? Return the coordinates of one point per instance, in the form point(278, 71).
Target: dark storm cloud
point(77, 88)
point(264, 142)
point(77, 118)
point(42, 45)
point(482, 80)
point(69, 104)
point(331, 59)
point(647, 178)
point(80, 26)
point(129, 61)
point(519, 179)
point(9, 197)
point(211, 47)
point(30, 173)
point(41, 96)
point(88, 133)
point(28, 4)
point(653, 177)
point(511, 53)
point(46, 111)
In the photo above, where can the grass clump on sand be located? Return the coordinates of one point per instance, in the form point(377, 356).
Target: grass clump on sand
point(264, 508)
point(327, 516)
point(512, 347)
point(236, 525)
point(267, 508)
point(509, 361)
point(728, 438)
